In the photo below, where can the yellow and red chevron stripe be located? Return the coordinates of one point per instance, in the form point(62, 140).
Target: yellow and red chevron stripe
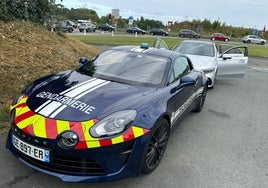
point(37, 125)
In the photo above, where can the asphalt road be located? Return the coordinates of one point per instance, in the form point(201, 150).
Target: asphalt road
point(223, 146)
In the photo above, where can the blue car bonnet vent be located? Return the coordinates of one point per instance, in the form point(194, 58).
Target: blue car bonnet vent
point(144, 45)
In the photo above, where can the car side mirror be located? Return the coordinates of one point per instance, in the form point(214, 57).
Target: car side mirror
point(82, 61)
point(184, 81)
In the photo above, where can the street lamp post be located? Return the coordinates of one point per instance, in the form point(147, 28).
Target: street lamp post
point(26, 10)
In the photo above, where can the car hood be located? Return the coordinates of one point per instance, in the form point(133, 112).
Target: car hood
point(202, 62)
point(76, 97)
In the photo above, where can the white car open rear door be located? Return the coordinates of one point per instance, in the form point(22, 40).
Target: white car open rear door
point(232, 63)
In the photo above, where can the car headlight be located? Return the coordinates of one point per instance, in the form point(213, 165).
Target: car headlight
point(208, 70)
point(113, 124)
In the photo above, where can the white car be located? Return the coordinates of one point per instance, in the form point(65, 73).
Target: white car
point(227, 62)
point(253, 39)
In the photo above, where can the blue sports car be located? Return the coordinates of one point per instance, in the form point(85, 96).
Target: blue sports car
point(110, 118)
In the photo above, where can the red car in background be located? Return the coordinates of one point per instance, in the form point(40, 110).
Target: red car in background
point(219, 36)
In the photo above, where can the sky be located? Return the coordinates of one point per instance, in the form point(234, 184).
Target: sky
point(239, 13)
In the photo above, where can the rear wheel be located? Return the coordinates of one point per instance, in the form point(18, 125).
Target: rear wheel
point(156, 146)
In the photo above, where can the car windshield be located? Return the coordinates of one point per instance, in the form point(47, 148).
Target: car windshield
point(128, 67)
point(194, 48)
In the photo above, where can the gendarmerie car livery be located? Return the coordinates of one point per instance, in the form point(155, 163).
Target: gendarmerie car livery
point(109, 119)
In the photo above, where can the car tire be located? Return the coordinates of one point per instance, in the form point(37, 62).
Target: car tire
point(262, 43)
point(226, 40)
point(156, 146)
point(201, 100)
point(213, 38)
point(70, 30)
point(248, 41)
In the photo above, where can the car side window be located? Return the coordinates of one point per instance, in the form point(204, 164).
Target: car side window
point(181, 67)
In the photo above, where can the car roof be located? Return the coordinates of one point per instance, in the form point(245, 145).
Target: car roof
point(198, 41)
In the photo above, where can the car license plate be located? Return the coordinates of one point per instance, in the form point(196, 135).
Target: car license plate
point(30, 150)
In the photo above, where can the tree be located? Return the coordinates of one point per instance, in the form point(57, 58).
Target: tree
point(36, 11)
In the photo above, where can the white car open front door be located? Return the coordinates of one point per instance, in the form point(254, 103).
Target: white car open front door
point(232, 63)
point(160, 44)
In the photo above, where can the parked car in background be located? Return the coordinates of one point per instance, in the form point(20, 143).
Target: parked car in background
point(70, 23)
point(134, 30)
point(88, 27)
point(189, 33)
point(228, 62)
point(219, 36)
point(158, 31)
point(253, 39)
point(79, 22)
point(60, 26)
point(106, 27)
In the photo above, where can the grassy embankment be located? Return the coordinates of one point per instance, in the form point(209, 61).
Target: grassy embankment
point(27, 52)
point(254, 50)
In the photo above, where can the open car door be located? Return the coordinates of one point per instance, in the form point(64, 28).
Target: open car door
point(232, 61)
point(159, 43)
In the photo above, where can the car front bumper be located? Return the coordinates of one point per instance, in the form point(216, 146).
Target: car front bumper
point(86, 165)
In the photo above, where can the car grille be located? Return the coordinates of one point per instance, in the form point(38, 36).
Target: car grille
point(60, 164)
point(67, 165)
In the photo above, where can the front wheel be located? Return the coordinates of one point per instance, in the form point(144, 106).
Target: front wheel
point(201, 100)
point(156, 146)
point(70, 30)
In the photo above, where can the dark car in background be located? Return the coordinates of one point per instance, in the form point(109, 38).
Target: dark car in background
point(189, 34)
point(158, 31)
point(60, 26)
point(134, 30)
point(70, 23)
point(219, 36)
point(106, 27)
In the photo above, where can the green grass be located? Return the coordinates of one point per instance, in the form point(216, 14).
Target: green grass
point(258, 51)
point(122, 40)
point(254, 50)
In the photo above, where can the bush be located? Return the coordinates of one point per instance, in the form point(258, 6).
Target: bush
point(36, 11)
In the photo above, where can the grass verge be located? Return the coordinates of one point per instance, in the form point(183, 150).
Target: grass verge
point(254, 50)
